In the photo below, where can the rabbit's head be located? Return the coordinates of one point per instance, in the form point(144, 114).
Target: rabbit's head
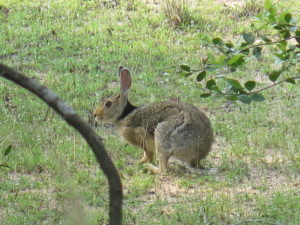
point(112, 108)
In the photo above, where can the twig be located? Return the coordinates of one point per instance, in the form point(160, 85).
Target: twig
point(68, 113)
point(274, 84)
point(269, 43)
point(252, 92)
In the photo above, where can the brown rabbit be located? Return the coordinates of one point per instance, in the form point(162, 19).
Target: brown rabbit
point(166, 128)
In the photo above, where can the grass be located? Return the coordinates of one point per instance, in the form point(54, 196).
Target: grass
point(177, 12)
point(74, 47)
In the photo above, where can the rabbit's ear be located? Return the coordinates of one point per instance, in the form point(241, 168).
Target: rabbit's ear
point(120, 70)
point(125, 81)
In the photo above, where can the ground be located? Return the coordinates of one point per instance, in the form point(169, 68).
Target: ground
point(50, 176)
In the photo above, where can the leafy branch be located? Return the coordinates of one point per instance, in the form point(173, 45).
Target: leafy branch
point(270, 43)
point(233, 56)
point(290, 79)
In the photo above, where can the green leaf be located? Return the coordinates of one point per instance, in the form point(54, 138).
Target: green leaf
point(229, 45)
point(273, 76)
point(286, 33)
point(246, 51)
point(283, 57)
point(234, 83)
point(205, 95)
point(232, 98)
point(236, 60)
point(220, 61)
point(7, 150)
point(282, 45)
point(250, 85)
point(278, 27)
point(266, 39)
point(218, 41)
point(271, 16)
point(245, 99)
point(210, 84)
point(297, 36)
point(244, 44)
point(185, 74)
point(201, 75)
point(185, 67)
point(288, 17)
point(257, 52)
point(291, 80)
point(257, 97)
point(169, 72)
point(249, 38)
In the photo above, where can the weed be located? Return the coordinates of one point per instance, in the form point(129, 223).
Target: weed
point(251, 8)
point(177, 12)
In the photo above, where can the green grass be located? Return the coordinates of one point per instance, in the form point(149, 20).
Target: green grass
point(75, 47)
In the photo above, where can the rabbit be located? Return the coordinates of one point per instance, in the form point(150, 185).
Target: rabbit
point(166, 129)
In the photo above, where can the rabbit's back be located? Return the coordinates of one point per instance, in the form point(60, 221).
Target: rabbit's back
point(181, 129)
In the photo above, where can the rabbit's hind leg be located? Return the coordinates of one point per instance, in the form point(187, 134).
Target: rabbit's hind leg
point(163, 145)
point(162, 160)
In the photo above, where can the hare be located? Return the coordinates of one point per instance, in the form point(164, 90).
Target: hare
point(166, 128)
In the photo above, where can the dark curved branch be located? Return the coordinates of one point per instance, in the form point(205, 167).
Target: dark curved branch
point(68, 113)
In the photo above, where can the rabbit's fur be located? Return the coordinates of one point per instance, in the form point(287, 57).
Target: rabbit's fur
point(166, 128)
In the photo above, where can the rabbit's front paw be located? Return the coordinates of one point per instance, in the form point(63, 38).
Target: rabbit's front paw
point(144, 159)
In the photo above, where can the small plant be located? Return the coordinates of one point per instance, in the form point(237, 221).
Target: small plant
point(227, 58)
point(110, 3)
point(250, 8)
point(177, 12)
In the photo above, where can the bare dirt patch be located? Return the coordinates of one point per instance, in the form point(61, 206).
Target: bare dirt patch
point(262, 179)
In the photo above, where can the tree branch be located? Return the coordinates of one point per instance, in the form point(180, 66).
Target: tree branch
point(269, 43)
point(274, 84)
point(251, 92)
point(68, 113)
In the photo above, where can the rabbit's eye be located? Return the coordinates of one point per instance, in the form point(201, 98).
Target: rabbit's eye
point(108, 104)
